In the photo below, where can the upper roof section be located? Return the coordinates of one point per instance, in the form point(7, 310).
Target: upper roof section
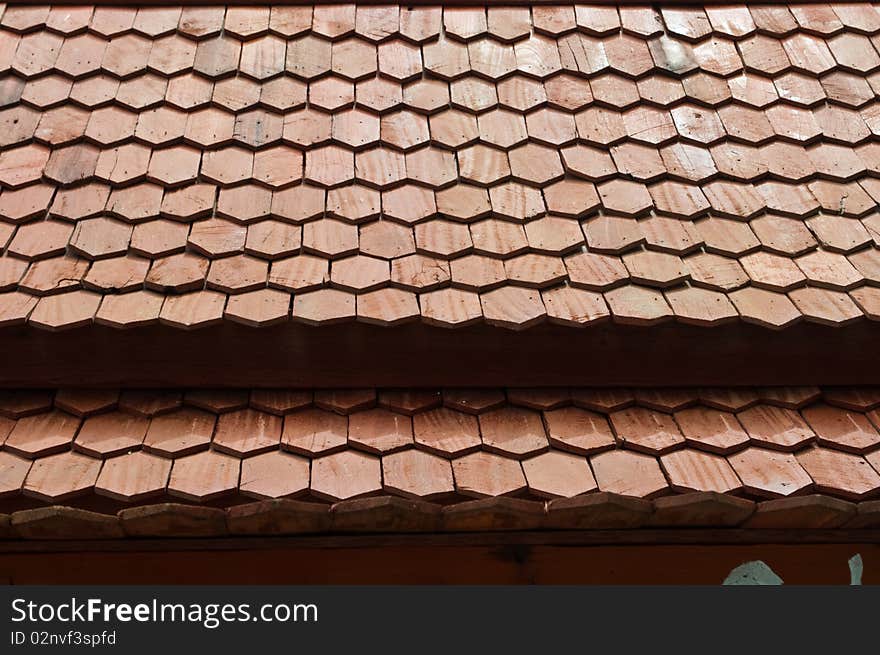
point(453, 165)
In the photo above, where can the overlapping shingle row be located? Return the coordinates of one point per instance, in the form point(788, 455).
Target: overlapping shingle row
point(446, 446)
point(455, 165)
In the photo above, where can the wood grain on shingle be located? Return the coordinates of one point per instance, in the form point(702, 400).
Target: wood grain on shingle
point(744, 133)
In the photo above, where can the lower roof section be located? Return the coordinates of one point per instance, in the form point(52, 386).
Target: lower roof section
point(417, 355)
point(420, 460)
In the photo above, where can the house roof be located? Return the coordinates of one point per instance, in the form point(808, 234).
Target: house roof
point(172, 177)
point(508, 166)
point(525, 453)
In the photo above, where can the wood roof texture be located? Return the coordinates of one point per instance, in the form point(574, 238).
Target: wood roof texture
point(458, 165)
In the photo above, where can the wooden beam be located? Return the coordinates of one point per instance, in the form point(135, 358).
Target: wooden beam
point(802, 563)
point(355, 354)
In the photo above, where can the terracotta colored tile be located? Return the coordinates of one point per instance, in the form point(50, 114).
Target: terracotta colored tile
point(156, 21)
point(135, 203)
point(125, 164)
point(533, 163)
point(236, 94)
point(204, 476)
point(701, 306)
point(715, 431)
point(42, 434)
point(66, 310)
point(334, 20)
point(15, 404)
point(867, 262)
point(379, 431)
point(726, 237)
point(19, 123)
point(784, 236)
point(379, 94)
point(638, 161)
point(227, 165)
point(484, 474)
point(839, 473)
point(274, 475)
point(279, 401)
point(359, 273)
point(417, 475)
point(346, 475)
point(178, 273)
point(61, 477)
point(868, 300)
point(189, 91)
point(670, 235)
point(450, 308)
point(715, 272)
point(247, 432)
point(728, 400)
point(628, 474)
point(772, 272)
point(637, 305)
point(218, 400)
point(193, 310)
point(107, 435)
point(55, 275)
point(216, 237)
point(848, 199)
point(537, 271)
point(442, 238)
point(473, 94)
point(237, 274)
point(191, 202)
point(353, 203)
point(556, 474)
point(201, 22)
point(330, 238)
point(446, 432)
point(688, 162)
point(570, 306)
point(498, 237)
point(324, 306)
point(133, 477)
point(513, 308)
point(829, 270)
point(776, 427)
point(766, 308)
point(26, 164)
point(20, 205)
point(98, 238)
point(117, 274)
point(208, 127)
point(11, 271)
point(578, 430)
point(246, 203)
point(387, 307)
point(272, 239)
point(426, 95)
point(826, 307)
point(410, 402)
point(130, 310)
point(769, 474)
point(159, 238)
point(15, 470)
point(477, 273)
point(690, 470)
point(313, 431)
point(841, 429)
point(859, 399)
point(646, 430)
point(790, 397)
point(419, 273)
point(655, 268)
point(420, 23)
point(41, 240)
